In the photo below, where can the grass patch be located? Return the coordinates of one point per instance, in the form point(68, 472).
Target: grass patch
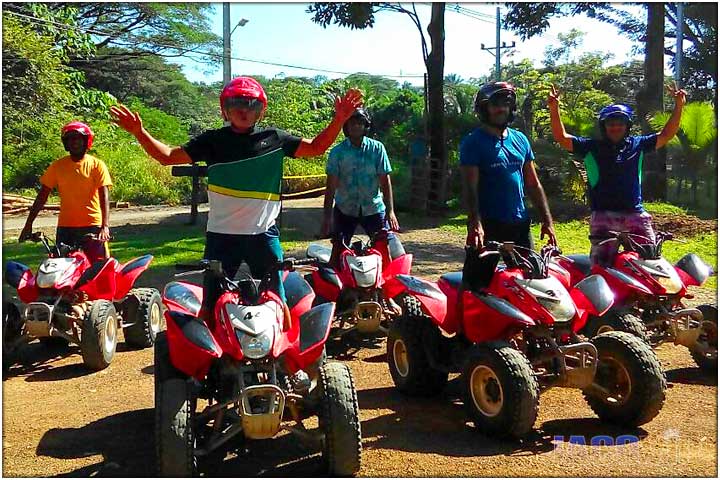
point(573, 238)
point(664, 208)
point(169, 244)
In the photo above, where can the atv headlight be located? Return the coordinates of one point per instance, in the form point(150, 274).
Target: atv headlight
point(551, 294)
point(562, 309)
point(258, 346)
point(671, 284)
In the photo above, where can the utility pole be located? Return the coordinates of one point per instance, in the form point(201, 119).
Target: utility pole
point(227, 76)
point(497, 44)
point(679, 45)
point(496, 49)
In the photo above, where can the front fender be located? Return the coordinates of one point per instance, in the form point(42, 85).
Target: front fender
point(128, 273)
point(21, 278)
point(432, 299)
point(487, 317)
point(192, 345)
point(400, 266)
point(100, 285)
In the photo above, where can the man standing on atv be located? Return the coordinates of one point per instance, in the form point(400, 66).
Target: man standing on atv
point(358, 180)
point(497, 167)
point(614, 169)
point(82, 182)
point(245, 166)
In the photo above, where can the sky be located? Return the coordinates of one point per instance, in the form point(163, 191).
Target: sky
point(284, 33)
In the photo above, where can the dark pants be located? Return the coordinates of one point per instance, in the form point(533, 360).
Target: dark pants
point(344, 226)
point(74, 236)
point(518, 233)
point(260, 252)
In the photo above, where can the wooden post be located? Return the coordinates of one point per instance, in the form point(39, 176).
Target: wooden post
point(195, 171)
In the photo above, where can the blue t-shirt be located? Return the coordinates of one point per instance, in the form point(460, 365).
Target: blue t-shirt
point(500, 163)
point(614, 171)
point(357, 168)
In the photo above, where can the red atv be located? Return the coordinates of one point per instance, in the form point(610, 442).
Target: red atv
point(511, 331)
point(649, 294)
point(254, 371)
point(72, 300)
point(358, 286)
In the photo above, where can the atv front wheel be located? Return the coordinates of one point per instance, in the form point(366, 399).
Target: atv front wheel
point(174, 433)
point(145, 316)
point(629, 385)
point(705, 351)
point(406, 356)
point(500, 390)
point(339, 420)
point(98, 338)
point(12, 331)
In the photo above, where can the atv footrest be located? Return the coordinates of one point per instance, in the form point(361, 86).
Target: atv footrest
point(578, 364)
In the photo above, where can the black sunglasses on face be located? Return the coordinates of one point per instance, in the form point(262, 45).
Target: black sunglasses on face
point(243, 103)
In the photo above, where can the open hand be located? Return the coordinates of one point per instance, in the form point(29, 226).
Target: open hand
point(126, 119)
point(346, 105)
point(104, 235)
point(393, 221)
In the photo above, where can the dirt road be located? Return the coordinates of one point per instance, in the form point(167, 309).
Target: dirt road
point(58, 419)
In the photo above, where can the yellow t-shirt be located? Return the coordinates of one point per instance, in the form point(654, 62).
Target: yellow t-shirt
point(78, 184)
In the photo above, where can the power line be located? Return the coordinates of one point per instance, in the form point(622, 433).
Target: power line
point(472, 14)
point(38, 21)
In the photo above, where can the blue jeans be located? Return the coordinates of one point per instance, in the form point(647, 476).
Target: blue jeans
point(344, 226)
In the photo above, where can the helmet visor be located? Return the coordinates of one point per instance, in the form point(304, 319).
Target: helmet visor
point(243, 103)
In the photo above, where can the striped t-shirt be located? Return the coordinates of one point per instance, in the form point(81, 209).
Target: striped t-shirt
point(244, 176)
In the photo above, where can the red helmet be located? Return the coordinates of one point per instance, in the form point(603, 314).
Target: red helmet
point(80, 128)
point(243, 87)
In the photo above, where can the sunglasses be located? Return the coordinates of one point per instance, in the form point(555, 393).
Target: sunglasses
point(243, 103)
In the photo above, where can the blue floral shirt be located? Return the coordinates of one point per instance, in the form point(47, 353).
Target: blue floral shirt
point(357, 168)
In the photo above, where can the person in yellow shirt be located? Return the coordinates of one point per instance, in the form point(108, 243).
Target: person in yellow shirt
point(82, 182)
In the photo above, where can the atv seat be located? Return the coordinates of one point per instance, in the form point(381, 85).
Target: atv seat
point(319, 252)
point(582, 262)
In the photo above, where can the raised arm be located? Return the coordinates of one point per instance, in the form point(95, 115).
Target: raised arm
point(132, 123)
point(563, 138)
point(673, 124)
point(344, 108)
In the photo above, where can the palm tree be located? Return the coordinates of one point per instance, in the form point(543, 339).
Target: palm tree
point(696, 139)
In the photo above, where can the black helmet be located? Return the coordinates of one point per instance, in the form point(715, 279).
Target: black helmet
point(495, 90)
point(359, 113)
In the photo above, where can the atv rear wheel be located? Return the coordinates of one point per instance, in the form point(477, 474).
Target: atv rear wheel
point(145, 317)
point(174, 433)
point(705, 350)
point(616, 320)
point(500, 390)
point(339, 420)
point(98, 338)
point(629, 385)
point(406, 356)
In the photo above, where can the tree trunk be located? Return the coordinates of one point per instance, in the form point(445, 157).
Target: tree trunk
point(650, 99)
point(435, 65)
